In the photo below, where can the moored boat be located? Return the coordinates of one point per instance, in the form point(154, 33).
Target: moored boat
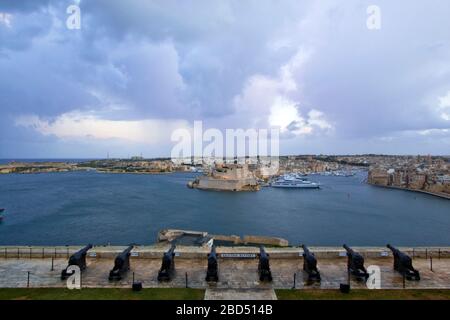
point(290, 181)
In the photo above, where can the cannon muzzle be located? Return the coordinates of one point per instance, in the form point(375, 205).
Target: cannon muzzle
point(305, 249)
point(347, 248)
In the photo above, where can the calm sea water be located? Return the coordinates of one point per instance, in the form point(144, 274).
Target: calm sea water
point(82, 207)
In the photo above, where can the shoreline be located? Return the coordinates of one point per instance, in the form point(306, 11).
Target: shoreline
point(442, 196)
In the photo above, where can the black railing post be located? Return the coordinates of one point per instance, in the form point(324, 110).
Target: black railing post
point(404, 281)
point(52, 264)
point(28, 279)
point(431, 263)
point(348, 277)
point(186, 278)
point(295, 280)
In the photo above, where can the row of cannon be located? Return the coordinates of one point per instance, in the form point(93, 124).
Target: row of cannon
point(355, 264)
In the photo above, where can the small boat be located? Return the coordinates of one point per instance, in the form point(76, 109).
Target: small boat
point(2, 209)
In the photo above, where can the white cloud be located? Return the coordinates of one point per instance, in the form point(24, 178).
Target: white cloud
point(317, 118)
point(444, 106)
point(5, 19)
point(76, 125)
point(283, 112)
point(272, 100)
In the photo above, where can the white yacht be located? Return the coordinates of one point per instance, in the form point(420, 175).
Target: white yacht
point(293, 181)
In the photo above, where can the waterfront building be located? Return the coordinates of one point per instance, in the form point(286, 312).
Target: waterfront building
point(227, 177)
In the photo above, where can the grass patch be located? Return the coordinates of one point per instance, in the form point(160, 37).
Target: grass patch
point(364, 294)
point(198, 294)
point(101, 294)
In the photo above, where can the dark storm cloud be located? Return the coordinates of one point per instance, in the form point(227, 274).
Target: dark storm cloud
point(227, 62)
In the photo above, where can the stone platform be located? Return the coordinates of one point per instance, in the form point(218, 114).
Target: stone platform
point(234, 273)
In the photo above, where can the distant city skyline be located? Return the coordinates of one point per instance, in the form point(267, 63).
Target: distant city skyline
point(127, 74)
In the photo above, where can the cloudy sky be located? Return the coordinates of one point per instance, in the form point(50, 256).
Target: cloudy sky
point(137, 70)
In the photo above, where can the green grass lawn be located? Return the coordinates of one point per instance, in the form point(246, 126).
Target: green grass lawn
point(100, 294)
point(364, 294)
point(198, 294)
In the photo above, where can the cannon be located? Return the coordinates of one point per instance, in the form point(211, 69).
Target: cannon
point(310, 265)
point(355, 264)
point(167, 265)
point(212, 271)
point(121, 264)
point(403, 264)
point(264, 265)
point(77, 259)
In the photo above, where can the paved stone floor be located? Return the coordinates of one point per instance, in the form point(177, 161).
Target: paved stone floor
point(240, 294)
point(233, 273)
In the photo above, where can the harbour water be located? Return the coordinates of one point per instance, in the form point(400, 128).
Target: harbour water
point(81, 207)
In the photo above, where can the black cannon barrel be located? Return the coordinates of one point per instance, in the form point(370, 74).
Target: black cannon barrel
point(82, 251)
point(393, 249)
point(262, 253)
point(78, 257)
point(128, 250)
point(305, 249)
point(212, 254)
point(168, 256)
point(85, 249)
point(124, 254)
point(348, 249)
point(171, 250)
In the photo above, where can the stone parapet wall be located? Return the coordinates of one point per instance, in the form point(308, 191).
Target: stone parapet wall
point(188, 252)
